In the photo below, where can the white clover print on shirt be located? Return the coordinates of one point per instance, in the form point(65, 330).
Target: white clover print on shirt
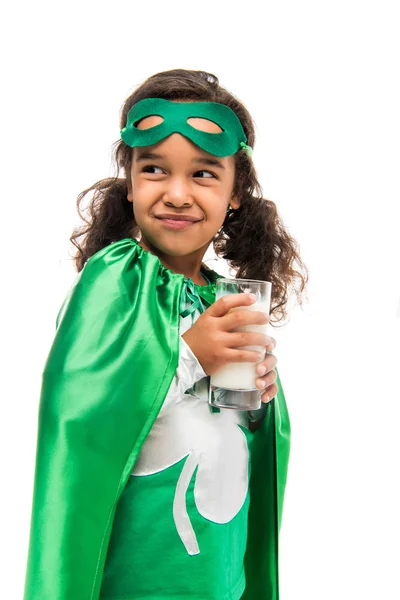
point(211, 441)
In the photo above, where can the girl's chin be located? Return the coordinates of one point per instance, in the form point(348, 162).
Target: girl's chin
point(175, 247)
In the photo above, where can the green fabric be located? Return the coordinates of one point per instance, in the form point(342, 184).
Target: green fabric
point(190, 299)
point(163, 566)
point(175, 115)
point(270, 459)
point(97, 406)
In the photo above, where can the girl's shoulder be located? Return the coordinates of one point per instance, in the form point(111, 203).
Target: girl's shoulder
point(105, 270)
point(117, 249)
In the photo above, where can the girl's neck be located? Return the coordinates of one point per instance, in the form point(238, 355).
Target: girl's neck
point(189, 266)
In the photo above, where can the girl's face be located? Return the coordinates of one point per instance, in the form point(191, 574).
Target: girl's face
point(180, 193)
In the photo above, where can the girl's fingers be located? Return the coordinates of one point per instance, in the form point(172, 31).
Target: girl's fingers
point(241, 318)
point(247, 338)
point(269, 393)
point(266, 365)
point(267, 381)
point(241, 355)
point(226, 303)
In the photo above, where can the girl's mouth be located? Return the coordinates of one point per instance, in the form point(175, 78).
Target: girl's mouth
point(178, 222)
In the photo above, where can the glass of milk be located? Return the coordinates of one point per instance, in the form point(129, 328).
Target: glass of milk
point(234, 385)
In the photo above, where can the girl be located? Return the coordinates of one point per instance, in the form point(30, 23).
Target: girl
point(142, 489)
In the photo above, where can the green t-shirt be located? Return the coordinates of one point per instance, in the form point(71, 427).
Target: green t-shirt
point(146, 558)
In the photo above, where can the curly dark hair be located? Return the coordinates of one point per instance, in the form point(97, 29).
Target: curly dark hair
point(252, 239)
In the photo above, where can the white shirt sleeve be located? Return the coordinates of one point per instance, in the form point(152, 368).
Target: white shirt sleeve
point(188, 373)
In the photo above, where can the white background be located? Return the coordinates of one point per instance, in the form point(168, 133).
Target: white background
point(322, 83)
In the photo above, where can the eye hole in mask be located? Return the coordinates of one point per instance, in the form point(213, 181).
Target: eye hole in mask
point(204, 125)
point(195, 122)
point(148, 122)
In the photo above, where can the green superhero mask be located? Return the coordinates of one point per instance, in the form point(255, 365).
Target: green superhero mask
point(175, 115)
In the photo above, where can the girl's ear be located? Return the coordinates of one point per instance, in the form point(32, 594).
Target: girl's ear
point(234, 202)
point(129, 195)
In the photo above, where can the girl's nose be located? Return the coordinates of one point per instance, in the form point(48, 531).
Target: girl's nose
point(177, 195)
point(177, 203)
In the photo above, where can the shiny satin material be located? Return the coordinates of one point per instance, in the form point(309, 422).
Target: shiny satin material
point(190, 299)
point(108, 372)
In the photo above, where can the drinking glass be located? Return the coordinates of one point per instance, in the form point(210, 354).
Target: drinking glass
point(234, 385)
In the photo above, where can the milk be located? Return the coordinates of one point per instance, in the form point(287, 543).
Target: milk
point(242, 376)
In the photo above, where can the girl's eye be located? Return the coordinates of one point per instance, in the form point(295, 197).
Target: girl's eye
point(146, 170)
point(209, 172)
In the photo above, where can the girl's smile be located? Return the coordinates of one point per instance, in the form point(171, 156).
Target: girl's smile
point(178, 222)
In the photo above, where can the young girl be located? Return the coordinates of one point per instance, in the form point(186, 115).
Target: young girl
point(143, 490)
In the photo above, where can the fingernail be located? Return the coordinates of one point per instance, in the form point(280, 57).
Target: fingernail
point(261, 370)
point(253, 296)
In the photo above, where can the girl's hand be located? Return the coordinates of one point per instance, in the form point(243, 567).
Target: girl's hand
point(213, 340)
point(268, 375)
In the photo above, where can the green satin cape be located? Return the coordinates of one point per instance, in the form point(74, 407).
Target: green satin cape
point(111, 363)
